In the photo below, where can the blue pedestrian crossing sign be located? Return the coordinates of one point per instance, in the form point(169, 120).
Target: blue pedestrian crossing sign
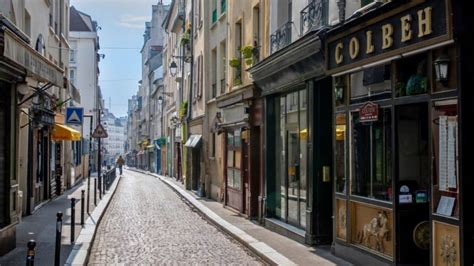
point(74, 115)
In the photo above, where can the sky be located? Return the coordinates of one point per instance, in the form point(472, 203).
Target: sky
point(122, 24)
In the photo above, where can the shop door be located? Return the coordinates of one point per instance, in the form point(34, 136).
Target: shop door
point(41, 188)
point(413, 184)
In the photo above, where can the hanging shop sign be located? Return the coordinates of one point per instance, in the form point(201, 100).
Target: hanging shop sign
point(369, 112)
point(393, 33)
point(35, 63)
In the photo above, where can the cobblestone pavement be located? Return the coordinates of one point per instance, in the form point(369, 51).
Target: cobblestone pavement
point(147, 223)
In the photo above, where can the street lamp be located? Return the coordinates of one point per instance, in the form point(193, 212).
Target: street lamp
point(173, 68)
point(441, 68)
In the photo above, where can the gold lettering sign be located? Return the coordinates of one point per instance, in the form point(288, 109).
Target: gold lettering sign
point(395, 32)
point(424, 22)
point(370, 45)
point(387, 31)
point(354, 48)
point(338, 54)
point(406, 28)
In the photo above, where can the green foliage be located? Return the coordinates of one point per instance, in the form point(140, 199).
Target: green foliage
point(248, 61)
point(234, 62)
point(247, 51)
point(183, 109)
point(237, 81)
point(186, 38)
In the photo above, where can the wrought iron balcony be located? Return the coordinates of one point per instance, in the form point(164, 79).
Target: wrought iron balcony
point(313, 16)
point(281, 37)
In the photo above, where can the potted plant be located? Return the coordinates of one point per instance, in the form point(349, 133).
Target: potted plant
point(247, 51)
point(186, 37)
point(234, 62)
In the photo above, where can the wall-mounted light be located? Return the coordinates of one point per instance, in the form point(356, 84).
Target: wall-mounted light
point(442, 68)
point(173, 68)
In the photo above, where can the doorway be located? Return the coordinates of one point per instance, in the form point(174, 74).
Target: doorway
point(413, 184)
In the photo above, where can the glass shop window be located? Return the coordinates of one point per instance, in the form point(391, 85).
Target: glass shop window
point(372, 157)
point(234, 159)
point(444, 128)
point(340, 85)
point(412, 76)
point(340, 153)
point(371, 82)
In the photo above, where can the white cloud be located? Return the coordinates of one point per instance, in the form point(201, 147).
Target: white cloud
point(134, 22)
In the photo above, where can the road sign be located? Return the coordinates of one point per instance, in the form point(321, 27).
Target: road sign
point(74, 115)
point(99, 132)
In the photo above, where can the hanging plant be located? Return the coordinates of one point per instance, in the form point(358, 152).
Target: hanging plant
point(248, 61)
point(247, 51)
point(234, 62)
point(186, 37)
point(183, 110)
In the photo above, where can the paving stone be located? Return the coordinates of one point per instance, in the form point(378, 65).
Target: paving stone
point(147, 223)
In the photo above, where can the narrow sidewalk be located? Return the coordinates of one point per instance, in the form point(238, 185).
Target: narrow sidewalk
point(295, 252)
point(41, 227)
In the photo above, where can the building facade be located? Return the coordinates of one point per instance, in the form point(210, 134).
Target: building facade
point(35, 164)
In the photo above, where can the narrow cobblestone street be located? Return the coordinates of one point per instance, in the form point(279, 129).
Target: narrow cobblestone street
point(147, 223)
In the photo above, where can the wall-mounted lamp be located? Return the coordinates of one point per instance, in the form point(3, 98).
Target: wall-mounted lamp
point(441, 68)
point(173, 68)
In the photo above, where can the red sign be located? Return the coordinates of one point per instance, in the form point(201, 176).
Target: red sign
point(369, 112)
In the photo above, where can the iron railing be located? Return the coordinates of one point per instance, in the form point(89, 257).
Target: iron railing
point(313, 16)
point(281, 37)
point(109, 177)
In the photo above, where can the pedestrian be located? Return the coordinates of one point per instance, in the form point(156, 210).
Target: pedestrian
point(120, 162)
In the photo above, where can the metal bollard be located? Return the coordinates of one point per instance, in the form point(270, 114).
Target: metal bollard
point(30, 255)
point(95, 191)
point(100, 181)
point(73, 218)
point(57, 251)
point(82, 207)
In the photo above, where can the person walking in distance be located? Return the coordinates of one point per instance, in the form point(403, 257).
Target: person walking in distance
point(120, 162)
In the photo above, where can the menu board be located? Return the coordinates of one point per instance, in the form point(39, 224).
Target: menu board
point(447, 153)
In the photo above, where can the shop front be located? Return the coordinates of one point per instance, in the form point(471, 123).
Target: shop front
point(296, 201)
point(241, 123)
point(396, 136)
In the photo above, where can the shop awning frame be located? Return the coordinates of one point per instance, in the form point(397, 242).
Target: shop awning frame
point(193, 141)
point(63, 132)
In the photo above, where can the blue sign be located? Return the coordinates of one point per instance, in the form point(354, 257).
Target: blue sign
point(74, 115)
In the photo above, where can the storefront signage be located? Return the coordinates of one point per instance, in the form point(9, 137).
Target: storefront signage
point(35, 63)
point(369, 112)
point(393, 33)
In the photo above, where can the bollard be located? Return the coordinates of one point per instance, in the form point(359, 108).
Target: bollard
point(100, 181)
point(57, 251)
point(73, 218)
point(95, 191)
point(82, 207)
point(30, 255)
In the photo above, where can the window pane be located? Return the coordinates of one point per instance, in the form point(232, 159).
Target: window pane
point(372, 171)
point(238, 155)
point(237, 140)
point(303, 134)
point(340, 153)
point(230, 139)
point(237, 179)
point(230, 177)
point(280, 159)
point(230, 158)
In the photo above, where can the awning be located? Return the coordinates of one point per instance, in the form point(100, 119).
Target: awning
point(62, 132)
point(193, 141)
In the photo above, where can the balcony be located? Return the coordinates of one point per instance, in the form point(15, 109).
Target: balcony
point(281, 37)
point(313, 16)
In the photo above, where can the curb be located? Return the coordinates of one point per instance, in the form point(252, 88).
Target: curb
point(260, 248)
point(83, 245)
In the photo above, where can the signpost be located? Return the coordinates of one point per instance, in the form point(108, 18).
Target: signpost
point(99, 133)
point(74, 115)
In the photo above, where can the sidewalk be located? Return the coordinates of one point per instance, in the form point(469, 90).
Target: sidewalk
point(255, 235)
point(41, 227)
